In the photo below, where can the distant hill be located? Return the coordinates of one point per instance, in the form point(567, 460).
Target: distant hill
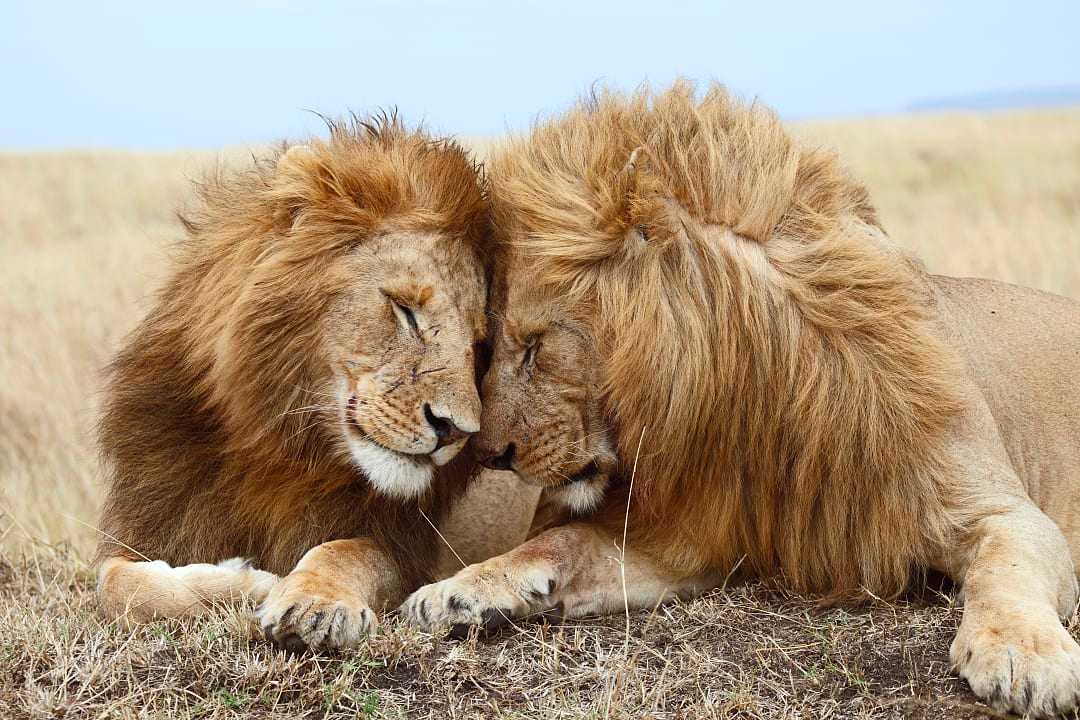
point(1028, 97)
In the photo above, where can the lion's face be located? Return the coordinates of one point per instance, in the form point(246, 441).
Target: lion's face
point(542, 413)
point(400, 356)
point(350, 279)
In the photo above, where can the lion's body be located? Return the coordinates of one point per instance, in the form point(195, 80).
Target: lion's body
point(323, 309)
point(754, 242)
point(1021, 349)
point(493, 516)
point(790, 394)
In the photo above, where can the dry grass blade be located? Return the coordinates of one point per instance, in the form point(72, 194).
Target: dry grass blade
point(622, 548)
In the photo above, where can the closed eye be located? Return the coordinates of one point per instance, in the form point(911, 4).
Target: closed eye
point(405, 315)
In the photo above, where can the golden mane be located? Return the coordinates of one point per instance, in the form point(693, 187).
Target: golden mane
point(752, 318)
point(370, 174)
point(208, 425)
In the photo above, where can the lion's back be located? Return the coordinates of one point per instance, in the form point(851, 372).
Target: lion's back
point(1022, 348)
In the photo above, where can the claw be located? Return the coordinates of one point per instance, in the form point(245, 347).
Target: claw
point(313, 620)
point(284, 619)
point(422, 611)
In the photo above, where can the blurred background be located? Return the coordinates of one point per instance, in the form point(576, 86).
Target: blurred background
point(963, 118)
point(208, 74)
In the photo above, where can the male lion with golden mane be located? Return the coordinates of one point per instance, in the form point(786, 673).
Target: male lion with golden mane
point(302, 391)
point(707, 342)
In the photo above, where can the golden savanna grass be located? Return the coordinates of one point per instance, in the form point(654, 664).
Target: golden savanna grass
point(83, 241)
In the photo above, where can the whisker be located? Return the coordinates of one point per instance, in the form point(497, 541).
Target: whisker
point(305, 428)
point(310, 391)
point(307, 409)
point(577, 448)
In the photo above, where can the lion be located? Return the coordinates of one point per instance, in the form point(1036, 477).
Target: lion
point(712, 354)
point(298, 401)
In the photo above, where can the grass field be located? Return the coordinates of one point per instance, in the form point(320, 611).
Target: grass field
point(83, 240)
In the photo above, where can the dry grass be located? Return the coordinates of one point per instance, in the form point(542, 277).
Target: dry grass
point(749, 652)
point(82, 241)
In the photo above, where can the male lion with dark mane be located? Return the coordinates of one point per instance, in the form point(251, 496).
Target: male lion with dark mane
point(302, 391)
point(707, 342)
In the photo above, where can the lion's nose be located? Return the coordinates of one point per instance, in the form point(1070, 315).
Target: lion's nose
point(501, 461)
point(445, 430)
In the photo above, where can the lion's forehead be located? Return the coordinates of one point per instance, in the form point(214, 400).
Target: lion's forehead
point(442, 276)
point(530, 308)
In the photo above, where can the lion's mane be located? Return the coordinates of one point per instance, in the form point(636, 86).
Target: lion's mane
point(779, 369)
point(207, 428)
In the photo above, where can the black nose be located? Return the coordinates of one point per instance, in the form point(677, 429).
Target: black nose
point(502, 461)
point(446, 431)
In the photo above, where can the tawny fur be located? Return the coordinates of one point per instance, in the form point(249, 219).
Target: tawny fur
point(809, 403)
point(752, 321)
point(209, 430)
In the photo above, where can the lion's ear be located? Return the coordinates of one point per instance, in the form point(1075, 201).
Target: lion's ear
point(292, 185)
point(296, 157)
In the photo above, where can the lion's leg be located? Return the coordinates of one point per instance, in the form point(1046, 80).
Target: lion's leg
point(1018, 582)
point(326, 602)
point(140, 591)
point(576, 568)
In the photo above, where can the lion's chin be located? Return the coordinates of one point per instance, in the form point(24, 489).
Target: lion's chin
point(393, 474)
point(580, 497)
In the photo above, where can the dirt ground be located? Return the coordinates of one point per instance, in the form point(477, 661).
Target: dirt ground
point(750, 651)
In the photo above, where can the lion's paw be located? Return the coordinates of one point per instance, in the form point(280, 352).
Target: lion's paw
point(1024, 663)
point(297, 619)
point(478, 597)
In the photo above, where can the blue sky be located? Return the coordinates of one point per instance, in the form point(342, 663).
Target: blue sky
point(204, 74)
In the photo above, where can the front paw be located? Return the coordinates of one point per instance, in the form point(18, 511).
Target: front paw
point(478, 596)
point(297, 616)
point(1023, 662)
